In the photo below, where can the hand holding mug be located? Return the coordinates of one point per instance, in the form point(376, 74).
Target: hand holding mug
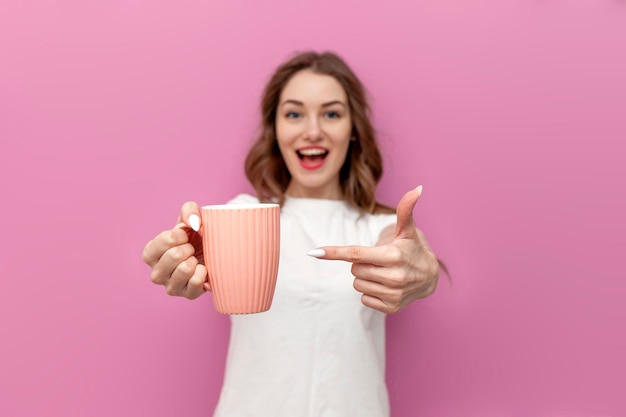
point(176, 256)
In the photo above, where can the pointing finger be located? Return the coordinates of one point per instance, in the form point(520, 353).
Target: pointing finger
point(377, 255)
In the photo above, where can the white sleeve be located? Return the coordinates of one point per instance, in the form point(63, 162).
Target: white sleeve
point(378, 222)
point(244, 199)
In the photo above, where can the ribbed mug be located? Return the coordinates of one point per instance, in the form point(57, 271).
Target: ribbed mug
point(241, 244)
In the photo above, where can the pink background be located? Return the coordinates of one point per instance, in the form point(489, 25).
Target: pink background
point(511, 113)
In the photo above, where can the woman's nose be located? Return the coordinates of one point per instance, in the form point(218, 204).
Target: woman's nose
point(313, 132)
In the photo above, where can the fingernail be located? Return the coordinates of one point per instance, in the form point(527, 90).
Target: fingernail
point(316, 253)
point(419, 190)
point(194, 222)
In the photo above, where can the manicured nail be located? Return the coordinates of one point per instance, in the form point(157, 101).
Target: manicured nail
point(194, 222)
point(316, 253)
point(419, 190)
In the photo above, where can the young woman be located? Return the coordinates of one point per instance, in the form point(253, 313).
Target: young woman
point(320, 349)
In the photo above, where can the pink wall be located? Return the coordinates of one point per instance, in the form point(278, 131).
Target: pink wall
point(511, 113)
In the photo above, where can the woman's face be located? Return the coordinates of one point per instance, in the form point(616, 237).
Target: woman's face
point(313, 127)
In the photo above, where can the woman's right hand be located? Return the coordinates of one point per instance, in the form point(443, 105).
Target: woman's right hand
point(176, 257)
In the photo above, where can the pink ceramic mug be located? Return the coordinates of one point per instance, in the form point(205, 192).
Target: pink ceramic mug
point(241, 244)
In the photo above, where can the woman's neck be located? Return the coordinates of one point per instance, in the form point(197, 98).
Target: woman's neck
point(324, 193)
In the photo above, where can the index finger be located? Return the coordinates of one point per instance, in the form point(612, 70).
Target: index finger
point(376, 255)
point(167, 239)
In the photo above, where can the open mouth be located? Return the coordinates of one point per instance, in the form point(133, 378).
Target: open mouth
point(311, 156)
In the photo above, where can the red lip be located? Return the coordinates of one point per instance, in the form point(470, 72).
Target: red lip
point(311, 166)
point(312, 163)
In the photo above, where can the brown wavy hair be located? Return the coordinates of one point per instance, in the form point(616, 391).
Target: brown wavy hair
point(265, 168)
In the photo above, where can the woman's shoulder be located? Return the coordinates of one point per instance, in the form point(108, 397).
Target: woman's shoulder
point(244, 199)
point(379, 221)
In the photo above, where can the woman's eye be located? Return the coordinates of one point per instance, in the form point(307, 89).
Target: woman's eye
point(332, 115)
point(292, 115)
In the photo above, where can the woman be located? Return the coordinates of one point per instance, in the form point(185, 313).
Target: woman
point(319, 351)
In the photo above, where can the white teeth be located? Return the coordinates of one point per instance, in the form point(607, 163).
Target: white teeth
point(312, 152)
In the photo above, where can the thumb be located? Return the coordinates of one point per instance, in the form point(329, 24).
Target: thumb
point(404, 212)
point(190, 215)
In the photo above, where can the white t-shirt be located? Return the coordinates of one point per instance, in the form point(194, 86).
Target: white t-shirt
point(318, 352)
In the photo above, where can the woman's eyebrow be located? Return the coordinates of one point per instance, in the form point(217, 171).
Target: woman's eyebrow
point(299, 103)
point(331, 103)
point(296, 102)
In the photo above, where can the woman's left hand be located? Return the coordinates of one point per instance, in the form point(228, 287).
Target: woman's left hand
point(400, 269)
